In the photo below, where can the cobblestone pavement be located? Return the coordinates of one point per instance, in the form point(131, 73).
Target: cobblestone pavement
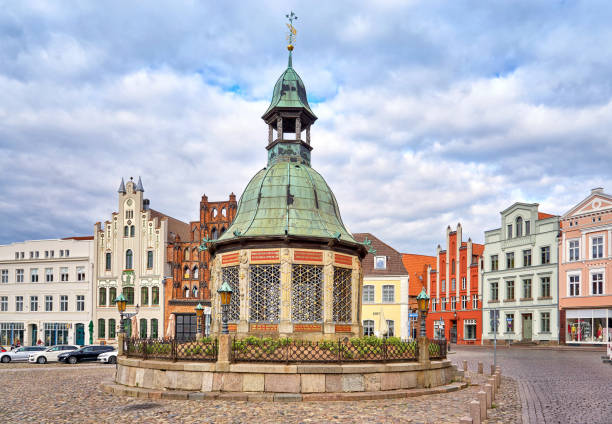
point(54, 396)
point(555, 386)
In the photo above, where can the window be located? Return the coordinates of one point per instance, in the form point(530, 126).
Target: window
point(434, 304)
point(509, 323)
point(37, 254)
point(129, 214)
point(61, 253)
point(19, 303)
point(545, 254)
point(49, 275)
point(126, 231)
point(186, 254)
point(453, 303)
point(368, 294)
point(453, 267)
point(509, 231)
point(52, 253)
point(149, 259)
point(5, 276)
point(494, 262)
point(67, 252)
point(475, 301)
point(63, 303)
point(31, 255)
point(112, 327)
point(46, 253)
point(154, 324)
point(109, 261)
point(186, 273)
point(390, 328)
point(143, 328)
point(155, 295)
point(128, 259)
point(102, 328)
point(195, 273)
point(509, 290)
point(3, 303)
point(33, 303)
point(527, 257)
point(80, 273)
point(132, 231)
point(469, 332)
point(102, 296)
point(545, 322)
point(545, 286)
point(80, 303)
point(443, 308)
point(574, 285)
point(64, 274)
point(380, 262)
point(19, 275)
point(464, 302)
point(388, 293)
point(48, 303)
point(443, 286)
point(597, 283)
point(16, 255)
point(527, 289)
point(144, 296)
point(128, 293)
point(519, 227)
point(112, 295)
point(574, 250)
point(597, 244)
point(527, 228)
point(368, 327)
point(463, 283)
point(306, 293)
point(510, 260)
point(453, 284)
point(494, 290)
point(34, 275)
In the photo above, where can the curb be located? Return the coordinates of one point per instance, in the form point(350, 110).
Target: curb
point(137, 392)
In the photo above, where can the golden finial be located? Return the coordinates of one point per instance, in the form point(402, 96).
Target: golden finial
point(292, 31)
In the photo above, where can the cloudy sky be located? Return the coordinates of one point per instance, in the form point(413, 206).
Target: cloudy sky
point(430, 113)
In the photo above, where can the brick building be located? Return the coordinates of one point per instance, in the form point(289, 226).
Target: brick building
point(454, 286)
point(417, 268)
point(188, 282)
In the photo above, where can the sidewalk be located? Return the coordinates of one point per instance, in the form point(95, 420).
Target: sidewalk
point(574, 348)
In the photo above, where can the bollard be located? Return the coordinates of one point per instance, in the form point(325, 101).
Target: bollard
point(491, 381)
point(492, 369)
point(482, 398)
point(480, 368)
point(465, 420)
point(489, 392)
point(498, 380)
point(465, 366)
point(475, 411)
point(498, 369)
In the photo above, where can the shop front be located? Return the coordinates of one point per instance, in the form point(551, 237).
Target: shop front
point(11, 333)
point(588, 325)
point(56, 333)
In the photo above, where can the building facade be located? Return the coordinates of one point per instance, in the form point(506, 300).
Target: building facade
point(454, 287)
point(130, 258)
point(417, 267)
point(521, 277)
point(189, 284)
point(45, 291)
point(384, 304)
point(585, 271)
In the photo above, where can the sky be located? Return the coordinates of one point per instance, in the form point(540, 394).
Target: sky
point(430, 112)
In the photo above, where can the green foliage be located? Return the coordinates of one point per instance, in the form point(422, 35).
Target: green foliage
point(434, 350)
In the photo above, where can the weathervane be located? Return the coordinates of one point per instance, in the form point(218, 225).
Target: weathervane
point(292, 31)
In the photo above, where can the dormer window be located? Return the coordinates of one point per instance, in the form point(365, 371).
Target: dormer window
point(380, 262)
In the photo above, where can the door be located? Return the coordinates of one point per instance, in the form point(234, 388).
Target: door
point(186, 326)
point(453, 332)
point(34, 335)
point(79, 334)
point(527, 327)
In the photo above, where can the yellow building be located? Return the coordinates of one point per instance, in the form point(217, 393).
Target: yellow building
point(384, 310)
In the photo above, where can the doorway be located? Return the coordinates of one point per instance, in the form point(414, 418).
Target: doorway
point(34, 333)
point(527, 328)
point(79, 334)
point(453, 332)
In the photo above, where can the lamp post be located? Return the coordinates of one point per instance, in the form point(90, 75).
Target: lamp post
point(121, 305)
point(423, 303)
point(225, 291)
point(199, 312)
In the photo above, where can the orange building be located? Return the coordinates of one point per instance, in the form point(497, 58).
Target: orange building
point(189, 280)
point(417, 267)
point(455, 306)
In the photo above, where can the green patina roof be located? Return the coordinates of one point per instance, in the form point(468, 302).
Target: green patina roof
point(281, 200)
point(289, 92)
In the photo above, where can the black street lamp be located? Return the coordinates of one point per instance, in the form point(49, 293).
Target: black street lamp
point(423, 303)
point(225, 291)
point(199, 312)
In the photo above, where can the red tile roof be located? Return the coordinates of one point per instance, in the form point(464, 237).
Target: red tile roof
point(416, 266)
point(542, 215)
point(394, 258)
point(78, 238)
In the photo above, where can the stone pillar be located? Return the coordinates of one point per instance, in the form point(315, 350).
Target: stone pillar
point(492, 369)
point(120, 339)
point(279, 128)
point(480, 368)
point(308, 134)
point(475, 411)
point(465, 366)
point(285, 294)
point(491, 382)
point(224, 354)
point(489, 391)
point(328, 292)
point(243, 282)
point(270, 134)
point(482, 398)
point(356, 296)
point(298, 128)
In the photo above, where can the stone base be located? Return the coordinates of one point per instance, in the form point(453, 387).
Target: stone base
point(274, 379)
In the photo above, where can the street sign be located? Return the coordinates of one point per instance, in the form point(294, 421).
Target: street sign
point(207, 310)
point(413, 315)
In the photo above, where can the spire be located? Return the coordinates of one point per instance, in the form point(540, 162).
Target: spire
point(139, 186)
point(121, 187)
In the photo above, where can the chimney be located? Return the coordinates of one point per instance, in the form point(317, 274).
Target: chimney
point(145, 204)
point(597, 190)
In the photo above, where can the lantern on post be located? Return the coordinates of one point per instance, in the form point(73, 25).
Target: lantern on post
point(199, 313)
point(121, 302)
point(423, 304)
point(225, 292)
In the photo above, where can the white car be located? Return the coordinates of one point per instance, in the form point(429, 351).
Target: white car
point(20, 354)
point(108, 357)
point(50, 354)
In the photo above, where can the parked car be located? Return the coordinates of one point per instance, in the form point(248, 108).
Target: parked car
point(108, 357)
point(3, 349)
point(50, 354)
point(20, 354)
point(86, 353)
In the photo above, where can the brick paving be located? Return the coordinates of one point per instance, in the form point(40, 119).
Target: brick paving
point(555, 386)
point(69, 395)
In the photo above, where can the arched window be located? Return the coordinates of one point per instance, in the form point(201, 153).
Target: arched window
point(101, 329)
point(112, 326)
point(224, 212)
point(453, 267)
point(213, 234)
point(128, 259)
point(185, 291)
point(194, 254)
point(214, 213)
point(143, 328)
point(108, 261)
point(519, 226)
point(196, 234)
point(102, 296)
point(222, 231)
point(194, 292)
point(132, 231)
point(126, 231)
point(154, 295)
point(186, 273)
point(196, 272)
point(186, 254)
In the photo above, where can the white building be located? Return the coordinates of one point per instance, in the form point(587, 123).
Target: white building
point(130, 258)
point(45, 291)
point(521, 276)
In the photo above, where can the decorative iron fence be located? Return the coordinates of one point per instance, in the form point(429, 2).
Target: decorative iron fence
point(437, 349)
point(205, 349)
point(372, 349)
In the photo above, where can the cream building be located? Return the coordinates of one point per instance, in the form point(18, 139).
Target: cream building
point(45, 291)
point(130, 258)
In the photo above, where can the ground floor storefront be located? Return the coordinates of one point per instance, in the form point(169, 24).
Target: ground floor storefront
point(522, 323)
point(461, 327)
point(28, 333)
point(589, 326)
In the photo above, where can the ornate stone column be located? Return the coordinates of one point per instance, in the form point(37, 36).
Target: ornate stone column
point(243, 284)
point(328, 293)
point(285, 325)
point(270, 134)
point(279, 128)
point(298, 128)
point(356, 281)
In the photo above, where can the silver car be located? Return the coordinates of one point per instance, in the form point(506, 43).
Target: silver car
point(20, 354)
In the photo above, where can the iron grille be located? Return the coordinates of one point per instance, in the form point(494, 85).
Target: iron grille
point(437, 349)
point(231, 276)
point(264, 293)
point(192, 350)
point(342, 295)
point(307, 293)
